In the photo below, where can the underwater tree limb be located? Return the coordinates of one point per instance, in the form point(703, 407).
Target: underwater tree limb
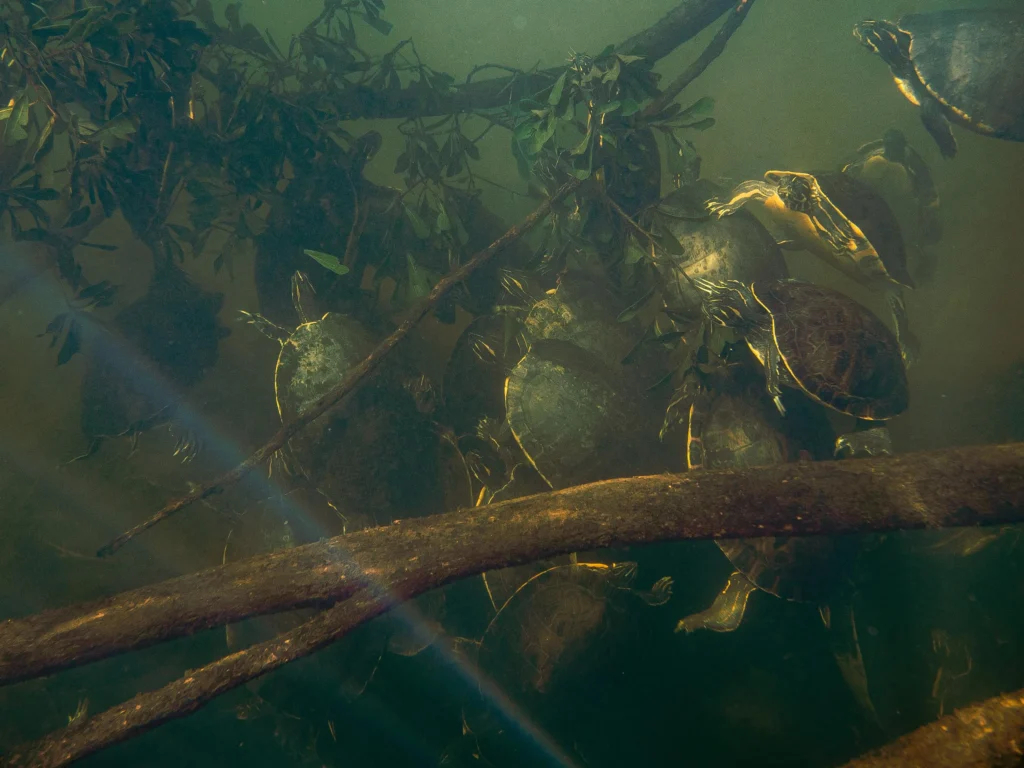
point(376, 567)
point(351, 380)
point(981, 485)
point(684, 22)
point(985, 735)
point(709, 54)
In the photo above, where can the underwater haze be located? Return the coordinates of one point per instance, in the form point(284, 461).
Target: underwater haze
point(181, 361)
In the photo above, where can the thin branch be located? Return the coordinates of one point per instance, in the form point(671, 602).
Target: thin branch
point(708, 55)
point(352, 379)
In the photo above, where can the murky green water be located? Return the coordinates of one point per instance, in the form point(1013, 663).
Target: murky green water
point(938, 629)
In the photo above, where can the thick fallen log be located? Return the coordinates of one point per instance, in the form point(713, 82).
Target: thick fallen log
point(985, 735)
point(954, 487)
point(376, 567)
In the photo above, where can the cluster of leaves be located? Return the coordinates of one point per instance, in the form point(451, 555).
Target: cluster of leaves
point(129, 106)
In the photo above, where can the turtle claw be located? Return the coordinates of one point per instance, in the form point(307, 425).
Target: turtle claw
point(660, 592)
point(870, 442)
point(726, 613)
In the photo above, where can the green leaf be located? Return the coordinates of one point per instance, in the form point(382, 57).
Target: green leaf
point(700, 125)
point(627, 59)
point(581, 173)
point(634, 253)
point(14, 130)
point(611, 106)
point(629, 107)
point(328, 261)
point(556, 90)
point(78, 217)
point(543, 134)
point(525, 130)
point(118, 129)
point(418, 225)
point(419, 286)
point(699, 108)
point(580, 148)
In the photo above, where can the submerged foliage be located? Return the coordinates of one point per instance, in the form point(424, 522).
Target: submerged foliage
point(188, 126)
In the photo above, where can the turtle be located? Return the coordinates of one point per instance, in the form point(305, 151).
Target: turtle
point(583, 310)
point(818, 340)
point(577, 419)
point(732, 423)
point(375, 454)
point(843, 221)
point(963, 66)
point(552, 616)
point(898, 172)
point(734, 248)
point(139, 370)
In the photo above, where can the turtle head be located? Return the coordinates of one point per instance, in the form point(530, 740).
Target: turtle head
point(796, 190)
point(729, 303)
point(621, 575)
point(885, 39)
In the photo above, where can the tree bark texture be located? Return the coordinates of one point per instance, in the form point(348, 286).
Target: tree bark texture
point(378, 567)
point(985, 735)
point(953, 487)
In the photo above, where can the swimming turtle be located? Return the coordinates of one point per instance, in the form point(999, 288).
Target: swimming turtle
point(550, 619)
point(964, 66)
point(159, 347)
point(817, 340)
point(375, 454)
point(843, 221)
point(734, 248)
point(892, 156)
point(578, 419)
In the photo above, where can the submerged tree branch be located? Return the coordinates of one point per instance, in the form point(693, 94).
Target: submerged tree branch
point(375, 568)
point(352, 379)
point(985, 735)
point(679, 25)
point(709, 54)
point(953, 487)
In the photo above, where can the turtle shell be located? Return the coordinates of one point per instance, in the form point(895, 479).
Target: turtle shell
point(742, 428)
point(735, 247)
point(583, 311)
point(376, 453)
point(972, 62)
point(578, 420)
point(835, 349)
point(866, 208)
point(547, 622)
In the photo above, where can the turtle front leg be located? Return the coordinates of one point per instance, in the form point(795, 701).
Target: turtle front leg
point(910, 347)
point(741, 195)
point(874, 441)
point(659, 593)
point(726, 613)
point(766, 351)
point(938, 126)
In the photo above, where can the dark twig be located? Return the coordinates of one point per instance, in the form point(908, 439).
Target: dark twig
point(696, 69)
point(351, 380)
